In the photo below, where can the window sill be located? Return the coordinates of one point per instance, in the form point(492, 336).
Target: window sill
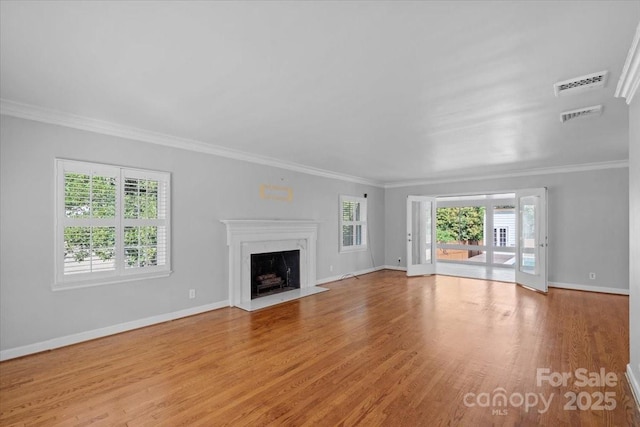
point(89, 283)
point(353, 249)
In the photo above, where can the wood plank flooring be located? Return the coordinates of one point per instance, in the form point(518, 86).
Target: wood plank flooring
point(378, 350)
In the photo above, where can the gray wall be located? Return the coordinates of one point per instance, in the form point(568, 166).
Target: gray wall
point(205, 189)
point(634, 237)
point(588, 217)
point(587, 210)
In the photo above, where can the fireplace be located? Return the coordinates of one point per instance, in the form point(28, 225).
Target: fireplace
point(274, 272)
point(247, 238)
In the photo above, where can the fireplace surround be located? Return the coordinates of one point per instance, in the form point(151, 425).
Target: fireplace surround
point(250, 237)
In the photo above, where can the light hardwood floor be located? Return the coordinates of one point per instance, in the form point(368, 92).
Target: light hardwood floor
point(378, 350)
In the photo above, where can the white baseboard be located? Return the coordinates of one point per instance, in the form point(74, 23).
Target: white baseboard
point(634, 384)
point(12, 353)
point(394, 267)
point(572, 286)
point(602, 289)
point(345, 276)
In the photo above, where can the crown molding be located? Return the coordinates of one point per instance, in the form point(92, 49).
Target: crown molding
point(44, 115)
point(618, 164)
point(630, 77)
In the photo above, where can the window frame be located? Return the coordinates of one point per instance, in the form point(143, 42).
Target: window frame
point(498, 240)
point(362, 201)
point(120, 273)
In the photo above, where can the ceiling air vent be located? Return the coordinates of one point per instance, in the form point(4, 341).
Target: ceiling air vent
point(581, 84)
point(596, 110)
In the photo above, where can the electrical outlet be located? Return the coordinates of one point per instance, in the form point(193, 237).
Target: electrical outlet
point(592, 276)
point(192, 293)
point(331, 268)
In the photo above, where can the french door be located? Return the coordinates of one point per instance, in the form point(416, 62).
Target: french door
point(421, 235)
point(531, 225)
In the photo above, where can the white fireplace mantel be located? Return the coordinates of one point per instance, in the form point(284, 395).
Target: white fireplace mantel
point(247, 237)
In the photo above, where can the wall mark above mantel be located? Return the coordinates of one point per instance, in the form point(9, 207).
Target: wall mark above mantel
point(276, 192)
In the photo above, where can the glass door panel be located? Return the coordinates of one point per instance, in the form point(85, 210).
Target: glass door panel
point(420, 235)
point(531, 270)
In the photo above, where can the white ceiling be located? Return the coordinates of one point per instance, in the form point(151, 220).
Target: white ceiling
point(387, 91)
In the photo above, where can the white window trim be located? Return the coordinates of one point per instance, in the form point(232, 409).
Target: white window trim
point(120, 274)
point(363, 214)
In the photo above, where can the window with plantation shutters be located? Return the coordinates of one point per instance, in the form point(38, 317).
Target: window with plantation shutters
point(353, 223)
point(112, 224)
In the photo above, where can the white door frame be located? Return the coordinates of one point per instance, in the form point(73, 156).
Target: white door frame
point(532, 244)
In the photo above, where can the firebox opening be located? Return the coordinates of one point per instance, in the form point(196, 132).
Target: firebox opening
point(274, 272)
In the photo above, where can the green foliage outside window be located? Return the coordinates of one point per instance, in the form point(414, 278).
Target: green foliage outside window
point(463, 225)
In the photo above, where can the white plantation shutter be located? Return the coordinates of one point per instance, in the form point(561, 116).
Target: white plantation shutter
point(353, 223)
point(88, 223)
point(145, 222)
point(112, 223)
